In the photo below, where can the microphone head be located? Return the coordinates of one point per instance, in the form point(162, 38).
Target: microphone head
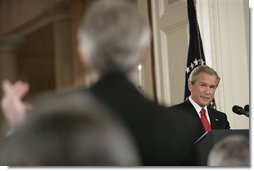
point(246, 107)
point(238, 110)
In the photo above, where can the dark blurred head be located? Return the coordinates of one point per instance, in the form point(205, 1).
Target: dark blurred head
point(230, 151)
point(71, 130)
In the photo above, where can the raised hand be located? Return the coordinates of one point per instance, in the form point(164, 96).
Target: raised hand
point(14, 109)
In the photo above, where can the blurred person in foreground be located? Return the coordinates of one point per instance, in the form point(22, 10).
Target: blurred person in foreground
point(71, 129)
point(113, 39)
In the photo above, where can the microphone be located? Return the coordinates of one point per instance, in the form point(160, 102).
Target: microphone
point(240, 111)
point(246, 107)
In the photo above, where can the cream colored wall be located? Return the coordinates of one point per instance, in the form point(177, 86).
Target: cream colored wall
point(226, 35)
point(170, 25)
point(144, 76)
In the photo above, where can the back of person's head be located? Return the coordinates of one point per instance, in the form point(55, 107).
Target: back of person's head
point(70, 131)
point(113, 35)
point(230, 151)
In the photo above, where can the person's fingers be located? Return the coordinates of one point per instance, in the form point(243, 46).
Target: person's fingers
point(21, 88)
point(7, 87)
point(13, 108)
point(18, 89)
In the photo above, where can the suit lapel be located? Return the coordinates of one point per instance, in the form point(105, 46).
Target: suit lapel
point(213, 120)
point(191, 108)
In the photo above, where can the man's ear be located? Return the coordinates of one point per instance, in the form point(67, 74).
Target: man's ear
point(190, 85)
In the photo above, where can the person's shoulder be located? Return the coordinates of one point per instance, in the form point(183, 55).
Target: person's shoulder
point(214, 110)
point(68, 94)
point(182, 105)
point(150, 104)
point(220, 116)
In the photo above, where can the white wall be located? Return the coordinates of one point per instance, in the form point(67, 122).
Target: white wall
point(171, 35)
point(225, 32)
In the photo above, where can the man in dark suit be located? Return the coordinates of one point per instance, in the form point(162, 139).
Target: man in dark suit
point(113, 39)
point(202, 84)
point(160, 137)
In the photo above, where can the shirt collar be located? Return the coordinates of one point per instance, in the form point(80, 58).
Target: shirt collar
point(196, 106)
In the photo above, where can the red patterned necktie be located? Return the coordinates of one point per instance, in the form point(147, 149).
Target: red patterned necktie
point(204, 120)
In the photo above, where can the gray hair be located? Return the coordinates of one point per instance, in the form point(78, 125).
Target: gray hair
point(230, 151)
point(205, 69)
point(113, 34)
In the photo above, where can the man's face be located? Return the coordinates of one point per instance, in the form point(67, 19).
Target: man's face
point(203, 90)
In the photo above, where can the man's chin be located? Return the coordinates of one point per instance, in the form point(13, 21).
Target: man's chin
point(205, 104)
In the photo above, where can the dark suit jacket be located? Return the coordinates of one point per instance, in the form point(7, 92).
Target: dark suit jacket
point(218, 119)
point(161, 138)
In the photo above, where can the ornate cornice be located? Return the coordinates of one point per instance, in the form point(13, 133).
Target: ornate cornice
point(18, 18)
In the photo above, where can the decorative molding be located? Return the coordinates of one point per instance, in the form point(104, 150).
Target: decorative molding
point(10, 43)
point(17, 17)
point(165, 78)
point(169, 20)
point(228, 52)
point(169, 5)
point(171, 1)
point(176, 26)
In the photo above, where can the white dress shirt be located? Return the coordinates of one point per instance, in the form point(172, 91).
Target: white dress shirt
point(198, 109)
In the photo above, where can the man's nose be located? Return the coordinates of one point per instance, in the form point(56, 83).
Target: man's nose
point(207, 90)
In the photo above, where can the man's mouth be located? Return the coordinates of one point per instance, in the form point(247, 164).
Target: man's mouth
point(206, 98)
